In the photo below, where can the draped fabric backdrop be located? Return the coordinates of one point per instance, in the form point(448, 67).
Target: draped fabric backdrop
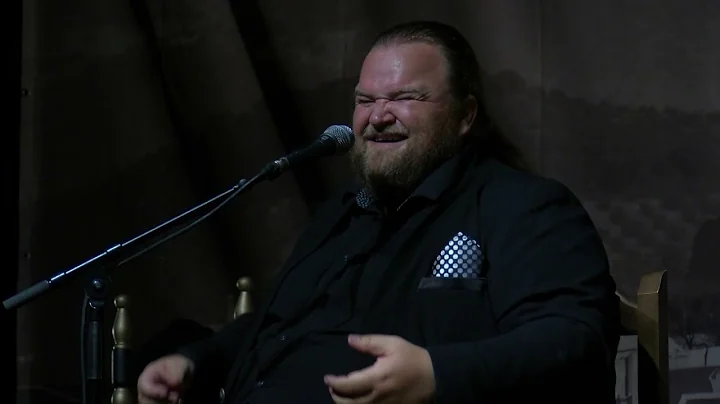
point(10, 93)
point(140, 109)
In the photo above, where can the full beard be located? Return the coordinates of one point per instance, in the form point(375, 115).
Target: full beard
point(391, 176)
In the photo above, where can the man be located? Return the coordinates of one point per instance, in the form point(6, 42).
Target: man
point(450, 275)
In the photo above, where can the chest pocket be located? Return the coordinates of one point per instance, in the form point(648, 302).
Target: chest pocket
point(451, 299)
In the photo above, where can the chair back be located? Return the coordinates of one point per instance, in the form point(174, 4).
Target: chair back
point(647, 318)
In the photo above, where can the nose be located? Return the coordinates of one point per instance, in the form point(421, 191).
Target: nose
point(380, 117)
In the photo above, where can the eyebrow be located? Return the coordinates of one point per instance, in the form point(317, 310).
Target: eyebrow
point(393, 94)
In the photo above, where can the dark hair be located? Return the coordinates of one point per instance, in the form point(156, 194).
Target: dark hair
point(465, 76)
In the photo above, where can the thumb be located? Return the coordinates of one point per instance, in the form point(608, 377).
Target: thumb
point(376, 345)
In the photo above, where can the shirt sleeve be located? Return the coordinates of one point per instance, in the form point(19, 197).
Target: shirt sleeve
point(553, 300)
point(213, 357)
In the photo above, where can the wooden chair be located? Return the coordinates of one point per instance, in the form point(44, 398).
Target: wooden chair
point(647, 318)
point(121, 332)
point(244, 303)
point(120, 376)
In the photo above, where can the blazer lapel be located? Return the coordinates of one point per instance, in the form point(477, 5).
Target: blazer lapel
point(314, 237)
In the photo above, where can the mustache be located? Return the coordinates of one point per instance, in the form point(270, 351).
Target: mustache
point(370, 132)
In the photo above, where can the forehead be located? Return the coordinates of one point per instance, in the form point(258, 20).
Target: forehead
point(396, 67)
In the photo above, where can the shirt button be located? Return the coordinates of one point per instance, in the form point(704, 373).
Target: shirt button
point(346, 258)
point(261, 383)
point(283, 337)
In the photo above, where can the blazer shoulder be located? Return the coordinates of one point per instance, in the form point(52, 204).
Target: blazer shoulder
point(513, 189)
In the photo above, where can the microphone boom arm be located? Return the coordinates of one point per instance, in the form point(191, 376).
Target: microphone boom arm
point(31, 293)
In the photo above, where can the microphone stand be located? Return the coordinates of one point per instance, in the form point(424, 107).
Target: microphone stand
point(97, 285)
point(337, 138)
point(92, 342)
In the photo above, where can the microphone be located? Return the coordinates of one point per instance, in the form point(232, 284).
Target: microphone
point(337, 139)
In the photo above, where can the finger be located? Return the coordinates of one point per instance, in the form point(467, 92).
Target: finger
point(354, 384)
point(376, 345)
point(338, 399)
point(143, 399)
point(152, 388)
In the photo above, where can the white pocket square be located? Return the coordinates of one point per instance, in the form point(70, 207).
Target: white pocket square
point(461, 258)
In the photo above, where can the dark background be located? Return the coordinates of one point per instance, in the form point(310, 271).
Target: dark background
point(10, 93)
point(136, 110)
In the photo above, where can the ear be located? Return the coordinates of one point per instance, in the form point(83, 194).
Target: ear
point(468, 113)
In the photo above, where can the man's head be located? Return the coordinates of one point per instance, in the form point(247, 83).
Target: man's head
point(415, 104)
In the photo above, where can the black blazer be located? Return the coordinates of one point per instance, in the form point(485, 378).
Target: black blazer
point(539, 321)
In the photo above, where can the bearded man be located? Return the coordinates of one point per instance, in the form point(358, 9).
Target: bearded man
point(449, 274)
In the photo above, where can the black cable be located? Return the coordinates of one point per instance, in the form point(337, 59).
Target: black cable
point(194, 222)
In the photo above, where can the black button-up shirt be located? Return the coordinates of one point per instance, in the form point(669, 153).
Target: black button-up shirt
point(304, 334)
point(536, 312)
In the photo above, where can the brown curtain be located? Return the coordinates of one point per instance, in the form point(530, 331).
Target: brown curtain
point(140, 109)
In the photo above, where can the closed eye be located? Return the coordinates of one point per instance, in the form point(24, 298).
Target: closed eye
point(410, 96)
point(402, 95)
point(362, 101)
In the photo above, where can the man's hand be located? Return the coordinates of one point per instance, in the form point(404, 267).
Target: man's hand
point(163, 381)
point(402, 373)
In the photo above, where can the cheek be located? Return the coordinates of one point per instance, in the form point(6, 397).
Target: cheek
point(407, 117)
point(361, 117)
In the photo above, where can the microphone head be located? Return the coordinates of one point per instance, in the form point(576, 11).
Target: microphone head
point(341, 135)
